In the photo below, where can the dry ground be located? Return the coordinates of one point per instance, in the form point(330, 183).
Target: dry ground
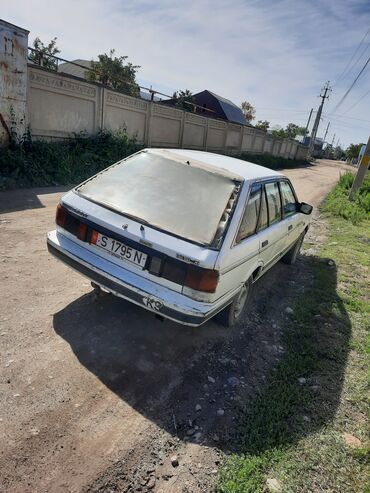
point(98, 395)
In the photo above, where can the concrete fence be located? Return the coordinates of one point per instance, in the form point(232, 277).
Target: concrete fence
point(58, 106)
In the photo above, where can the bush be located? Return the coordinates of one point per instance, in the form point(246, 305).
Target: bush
point(42, 163)
point(273, 162)
point(337, 202)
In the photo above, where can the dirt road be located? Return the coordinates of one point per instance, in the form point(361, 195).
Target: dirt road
point(98, 395)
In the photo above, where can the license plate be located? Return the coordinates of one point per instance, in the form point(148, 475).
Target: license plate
point(119, 250)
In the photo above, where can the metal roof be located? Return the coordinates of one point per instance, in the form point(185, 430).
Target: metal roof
point(232, 112)
point(76, 71)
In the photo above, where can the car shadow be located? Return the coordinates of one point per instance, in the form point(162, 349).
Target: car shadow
point(164, 370)
point(27, 198)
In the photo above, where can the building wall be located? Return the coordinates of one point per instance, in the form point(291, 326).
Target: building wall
point(60, 106)
point(13, 80)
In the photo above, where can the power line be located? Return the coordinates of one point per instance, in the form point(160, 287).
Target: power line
point(350, 87)
point(358, 101)
point(346, 117)
point(353, 56)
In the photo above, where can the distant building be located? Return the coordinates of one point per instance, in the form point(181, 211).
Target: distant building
point(211, 105)
point(318, 146)
point(71, 69)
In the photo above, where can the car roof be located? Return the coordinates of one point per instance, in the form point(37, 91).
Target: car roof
point(245, 169)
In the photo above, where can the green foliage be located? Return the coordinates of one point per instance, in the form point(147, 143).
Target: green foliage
point(325, 342)
point(184, 100)
point(42, 163)
point(44, 54)
point(353, 151)
point(263, 125)
point(338, 204)
point(114, 72)
point(289, 132)
point(273, 162)
point(338, 153)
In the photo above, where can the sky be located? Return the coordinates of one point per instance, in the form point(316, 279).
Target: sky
point(276, 54)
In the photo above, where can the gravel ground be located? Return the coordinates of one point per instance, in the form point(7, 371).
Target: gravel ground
point(96, 394)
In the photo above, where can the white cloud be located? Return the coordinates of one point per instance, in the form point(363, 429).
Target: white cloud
point(276, 53)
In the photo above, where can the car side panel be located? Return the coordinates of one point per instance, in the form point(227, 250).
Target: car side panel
point(236, 267)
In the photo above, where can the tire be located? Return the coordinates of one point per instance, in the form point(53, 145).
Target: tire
point(232, 314)
point(291, 256)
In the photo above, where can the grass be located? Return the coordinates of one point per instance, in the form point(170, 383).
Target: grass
point(337, 202)
point(293, 433)
point(42, 163)
point(273, 162)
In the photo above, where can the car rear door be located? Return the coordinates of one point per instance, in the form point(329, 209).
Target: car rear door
point(270, 231)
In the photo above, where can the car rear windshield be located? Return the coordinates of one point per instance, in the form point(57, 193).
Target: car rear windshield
point(184, 199)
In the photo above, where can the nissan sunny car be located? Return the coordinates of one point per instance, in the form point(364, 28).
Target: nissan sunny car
point(181, 233)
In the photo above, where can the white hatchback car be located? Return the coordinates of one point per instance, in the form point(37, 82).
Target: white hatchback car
point(181, 233)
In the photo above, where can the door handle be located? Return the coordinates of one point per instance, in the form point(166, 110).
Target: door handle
point(265, 243)
point(290, 227)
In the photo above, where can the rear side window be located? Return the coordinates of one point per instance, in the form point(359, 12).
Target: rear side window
point(288, 199)
point(273, 202)
point(248, 225)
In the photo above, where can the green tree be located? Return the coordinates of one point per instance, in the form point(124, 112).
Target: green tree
point(184, 100)
point(248, 110)
point(278, 131)
point(263, 125)
point(43, 55)
point(353, 151)
point(338, 153)
point(114, 72)
point(290, 131)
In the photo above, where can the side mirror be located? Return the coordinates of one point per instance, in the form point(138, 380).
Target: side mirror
point(305, 208)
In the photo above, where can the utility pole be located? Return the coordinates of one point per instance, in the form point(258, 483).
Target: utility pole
point(309, 119)
point(361, 172)
point(326, 132)
point(332, 142)
point(323, 95)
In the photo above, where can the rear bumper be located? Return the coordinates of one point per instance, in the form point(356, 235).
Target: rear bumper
point(130, 286)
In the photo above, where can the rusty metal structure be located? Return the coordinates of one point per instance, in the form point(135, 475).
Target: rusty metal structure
point(13, 81)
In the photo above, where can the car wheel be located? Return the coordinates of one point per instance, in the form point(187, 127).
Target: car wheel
point(291, 256)
point(232, 314)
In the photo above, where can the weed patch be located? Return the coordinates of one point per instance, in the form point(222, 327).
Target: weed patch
point(41, 163)
point(337, 202)
point(294, 431)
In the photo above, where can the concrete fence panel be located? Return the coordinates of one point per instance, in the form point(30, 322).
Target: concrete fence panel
point(276, 147)
point(233, 138)
point(268, 144)
point(121, 111)
point(195, 131)
point(59, 106)
point(259, 141)
point(293, 149)
point(165, 126)
point(216, 137)
point(247, 142)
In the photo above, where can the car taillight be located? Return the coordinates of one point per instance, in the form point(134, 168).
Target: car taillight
point(201, 279)
point(70, 223)
point(82, 231)
point(61, 215)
